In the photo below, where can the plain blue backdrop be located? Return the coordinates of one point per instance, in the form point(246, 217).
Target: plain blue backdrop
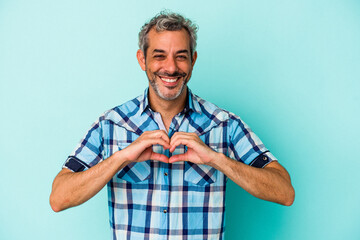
point(290, 69)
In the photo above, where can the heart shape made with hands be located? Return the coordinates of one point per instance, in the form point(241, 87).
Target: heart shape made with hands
point(197, 151)
point(142, 148)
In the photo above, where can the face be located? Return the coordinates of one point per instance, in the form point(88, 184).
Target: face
point(168, 63)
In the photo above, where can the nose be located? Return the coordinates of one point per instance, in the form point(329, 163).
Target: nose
point(170, 65)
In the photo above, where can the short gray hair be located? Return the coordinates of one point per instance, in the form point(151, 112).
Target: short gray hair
point(168, 21)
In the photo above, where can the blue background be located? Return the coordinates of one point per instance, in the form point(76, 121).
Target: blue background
point(290, 69)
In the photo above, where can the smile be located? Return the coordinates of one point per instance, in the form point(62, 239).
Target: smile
point(169, 80)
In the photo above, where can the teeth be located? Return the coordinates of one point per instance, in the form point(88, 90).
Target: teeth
point(169, 80)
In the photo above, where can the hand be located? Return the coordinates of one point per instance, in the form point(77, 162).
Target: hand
point(141, 149)
point(197, 151)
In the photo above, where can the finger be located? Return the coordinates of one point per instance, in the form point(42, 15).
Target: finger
point(159, 157)
point(183, 135)
point(178, 158)
point(181, 141)
point(156, 134)
point(153, 141)
point(190, 134)
point(177, 137)
point(160, 134)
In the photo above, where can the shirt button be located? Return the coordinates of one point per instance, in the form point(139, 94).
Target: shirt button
point(165, 211)
point(165, 174)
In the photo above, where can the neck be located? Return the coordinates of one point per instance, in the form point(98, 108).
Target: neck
point(167, 108)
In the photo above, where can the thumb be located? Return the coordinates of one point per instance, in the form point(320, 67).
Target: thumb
point(159, 157)
point(178, 158)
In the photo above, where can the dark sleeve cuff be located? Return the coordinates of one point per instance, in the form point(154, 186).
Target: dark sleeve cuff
point(260, 161)
point(75, 164)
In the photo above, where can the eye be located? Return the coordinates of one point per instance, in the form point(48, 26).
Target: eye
point(159, 57)
point(181, 57)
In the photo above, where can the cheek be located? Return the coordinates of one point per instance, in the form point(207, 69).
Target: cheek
point(153, 68)
point(186, 68)
point(150, 75)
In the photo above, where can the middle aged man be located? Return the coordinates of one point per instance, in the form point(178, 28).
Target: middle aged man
point(167, 154)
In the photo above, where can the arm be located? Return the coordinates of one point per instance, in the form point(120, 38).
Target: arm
point(271, 183)
point(70, 189)
point(74, 188)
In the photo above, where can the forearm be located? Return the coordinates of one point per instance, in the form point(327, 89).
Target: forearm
point(271, 183)
point(74, 188)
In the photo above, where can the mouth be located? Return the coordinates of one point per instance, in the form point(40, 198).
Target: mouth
point(169, 81)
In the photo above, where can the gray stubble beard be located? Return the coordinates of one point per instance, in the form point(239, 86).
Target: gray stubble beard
point(156, 89)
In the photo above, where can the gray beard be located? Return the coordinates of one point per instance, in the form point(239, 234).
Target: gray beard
point(156, 89)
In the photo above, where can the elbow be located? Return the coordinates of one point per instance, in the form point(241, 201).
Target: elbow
point(55, 209)
point(54, 206)
point(54, 203)
point(290, 197)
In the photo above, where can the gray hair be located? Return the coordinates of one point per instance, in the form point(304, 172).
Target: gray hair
point(168, 21)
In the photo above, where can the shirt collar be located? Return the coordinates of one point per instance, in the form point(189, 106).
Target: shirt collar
point(191, 104)
point(202, 116)
point(144, 102)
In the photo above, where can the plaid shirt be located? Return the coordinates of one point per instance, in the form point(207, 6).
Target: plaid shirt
point(155, 200)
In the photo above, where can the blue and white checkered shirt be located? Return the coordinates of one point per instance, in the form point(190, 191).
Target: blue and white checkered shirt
point(155, 200)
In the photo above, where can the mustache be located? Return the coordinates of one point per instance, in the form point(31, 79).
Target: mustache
point(166, 74)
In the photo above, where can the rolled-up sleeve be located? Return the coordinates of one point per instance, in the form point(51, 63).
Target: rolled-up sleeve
point(245, 146)
point(88, 152)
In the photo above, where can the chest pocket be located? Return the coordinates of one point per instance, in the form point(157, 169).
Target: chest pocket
point(200, 174)
point(134, 172)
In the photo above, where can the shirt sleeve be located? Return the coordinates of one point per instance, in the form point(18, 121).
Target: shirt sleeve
point(245, 146)
point(89, 150)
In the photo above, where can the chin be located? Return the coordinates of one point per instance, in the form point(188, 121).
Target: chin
point(168, 94)
point(169, 97)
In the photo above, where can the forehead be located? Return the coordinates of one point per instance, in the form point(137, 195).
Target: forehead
point(168, 40)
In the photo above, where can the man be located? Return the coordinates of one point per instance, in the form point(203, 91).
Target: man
point(166, 155)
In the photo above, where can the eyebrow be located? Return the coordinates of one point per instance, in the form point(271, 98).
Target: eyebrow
point(158, 51)
point(163, 51)
point(183, 51)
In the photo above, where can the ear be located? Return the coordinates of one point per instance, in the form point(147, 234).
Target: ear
point(194, 59)
point(141, 59)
